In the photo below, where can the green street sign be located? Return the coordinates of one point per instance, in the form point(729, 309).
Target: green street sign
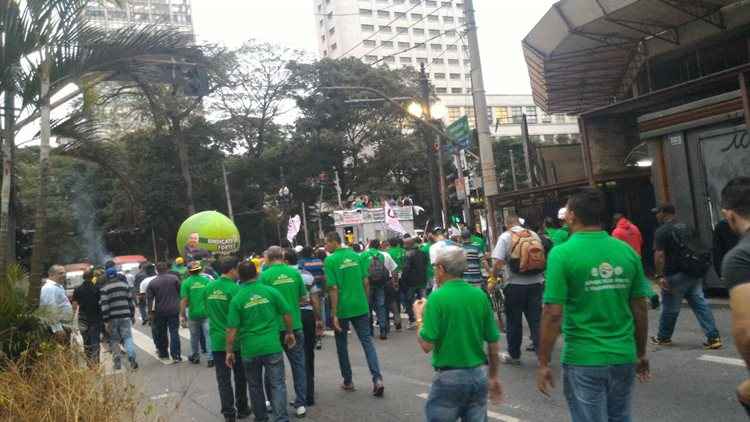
point(459, 132)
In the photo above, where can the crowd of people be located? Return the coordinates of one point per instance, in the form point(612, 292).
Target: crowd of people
point(571, 278)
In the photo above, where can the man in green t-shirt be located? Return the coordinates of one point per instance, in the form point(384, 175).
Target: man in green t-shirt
point(456, 322)
point(347, 285)
point(254, 314)
point(218, 294)
point(596, 291)
point(179, 268)
point(192, 297)
point(430, 270)
point(288, 281)
point(393, 291)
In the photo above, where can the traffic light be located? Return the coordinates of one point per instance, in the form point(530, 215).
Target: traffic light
point(455, 219)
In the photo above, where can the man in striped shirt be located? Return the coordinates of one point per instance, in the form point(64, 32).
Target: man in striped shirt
point(118, 313)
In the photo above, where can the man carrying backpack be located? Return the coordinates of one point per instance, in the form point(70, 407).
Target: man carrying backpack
point(520, 255)
point(380, 266)
point(679, 270)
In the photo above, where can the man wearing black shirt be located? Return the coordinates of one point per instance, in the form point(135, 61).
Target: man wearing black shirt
point(735, 204)
point(676, 284)
point(163, 298)
point(86, 299)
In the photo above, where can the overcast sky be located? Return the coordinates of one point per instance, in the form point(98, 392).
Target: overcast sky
point(502, 25)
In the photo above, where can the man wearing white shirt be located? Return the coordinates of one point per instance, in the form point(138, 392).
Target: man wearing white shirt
point(54, 300)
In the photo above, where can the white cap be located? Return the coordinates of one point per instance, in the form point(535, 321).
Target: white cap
point(522, 220)
point(298, 248)
point(561, 213)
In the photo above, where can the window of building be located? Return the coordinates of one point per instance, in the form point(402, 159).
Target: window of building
point(418, 31)
point(402, 44)
point(384, 14)
point(369, 43)
point(399, 15)
point(96, 14)
point(389, 59)
point(402, 30)
point(365, 12)
point(516, 113)
point(416, 16)
point(399, 1)
point(433, 18)
point(446, 4)
point(455, 76)
point(501, 116)
point(371, 58)
point(332, 30)
point(453, 62)
point(368, 28)
point(421, 60)
point(436, 47)
point(334, 46)
point(330, 15)
point(451, 47)
point(531, 116)
point(467, 62)
point(385, 29)
point(467, 76)
point(405, 60)
point(117, 14)
point(325, 53)
point(387, 44)
point(434, 32)
point(437, 60)
point(454, 113)
point(448, 19)
point(450, 33)
point(430, 3)
point(383, 1)
point(441, 90)
point(439, 75)
point(544, 117)
point(456, 91)
point(322, 24)
point(461, 20)
point(460, 6)
point(419, 46)
point(323, 38)
point(416, 1)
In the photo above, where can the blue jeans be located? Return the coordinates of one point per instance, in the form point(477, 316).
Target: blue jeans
point(274, 367)
point(408, 295)
point(199, 327)
point(599, 393)
point(121, 332)
point(361, 326)
point(684, 286)
point(458, 394)
point(377, 303)
point(296, 356)
point(91, 333)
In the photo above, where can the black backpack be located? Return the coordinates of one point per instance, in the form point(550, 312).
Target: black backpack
point(378, 273)
point(689, 260)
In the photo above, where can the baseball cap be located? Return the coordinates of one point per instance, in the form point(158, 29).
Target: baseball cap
point(438, 230)
point(179, 260)
point(561, 213)
point(111, 272)
point(665, 208)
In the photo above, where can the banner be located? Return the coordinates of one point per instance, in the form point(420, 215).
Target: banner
point(294, 225)
point(391, 219)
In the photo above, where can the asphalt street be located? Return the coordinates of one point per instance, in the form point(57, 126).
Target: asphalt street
point(689, 383)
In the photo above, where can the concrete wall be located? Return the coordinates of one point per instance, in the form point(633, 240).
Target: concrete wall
point(611, 139)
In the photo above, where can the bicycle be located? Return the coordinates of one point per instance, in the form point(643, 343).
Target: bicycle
point(497, 299)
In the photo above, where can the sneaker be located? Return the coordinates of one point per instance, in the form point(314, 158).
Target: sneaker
point(530, 348)
point(412, 326)
point(712, 344)
point(318, 344)
point(398, 327)
point(508, 360)
point(378, 389)
point(133, 364)
point(663, 341)
point(194, 359)
point(268, 406)
point(210, 363)
point(176, 360)
point(301, 412)
point(117, 363)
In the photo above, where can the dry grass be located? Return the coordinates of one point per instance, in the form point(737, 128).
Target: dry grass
point(57, 386)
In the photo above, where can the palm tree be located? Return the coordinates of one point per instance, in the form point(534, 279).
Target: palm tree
point(50, 47)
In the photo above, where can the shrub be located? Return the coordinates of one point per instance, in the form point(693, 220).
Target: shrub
point(21, 330)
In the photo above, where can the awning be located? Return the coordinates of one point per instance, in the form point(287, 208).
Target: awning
point(587, 53)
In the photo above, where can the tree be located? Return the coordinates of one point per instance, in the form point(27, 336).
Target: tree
point(256, 93)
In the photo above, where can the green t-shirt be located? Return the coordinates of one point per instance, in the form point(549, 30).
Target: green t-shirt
point(430, 273)
point(192, 289)
point(479, 242)
point(398, 254)
point(180, 270)
point(458, 320)
point(366, 258)
point(255, 313)
point(595, 276)
point(218, 294)
point(288, 282)
point(558, 236)
point(344, 269)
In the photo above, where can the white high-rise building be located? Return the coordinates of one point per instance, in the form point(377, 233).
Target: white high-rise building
point(177, 14)
point(399, 33)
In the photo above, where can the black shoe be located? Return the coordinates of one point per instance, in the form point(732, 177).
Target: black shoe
point(178, 359)
point(383, 337)
point(398, 327)
point(244, 414)
point(230, 419)
point(133, 364)
point(210, 363)
point(661, 341)
point(654, 302)
point(194, 359)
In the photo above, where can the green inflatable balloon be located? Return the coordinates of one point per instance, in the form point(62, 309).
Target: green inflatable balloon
point(216, 233)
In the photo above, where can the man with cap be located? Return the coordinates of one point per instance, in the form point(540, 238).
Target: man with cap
point(192, 294)
point(558, 234)
point(179, 268)
point(118, 313)
point(439, 242)
point(670, 241)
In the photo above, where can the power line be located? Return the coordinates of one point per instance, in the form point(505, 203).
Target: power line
point(414, 46)
point(397, 33)
point(380, 28)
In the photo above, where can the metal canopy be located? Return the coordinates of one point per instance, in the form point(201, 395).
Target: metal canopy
point(587, 53)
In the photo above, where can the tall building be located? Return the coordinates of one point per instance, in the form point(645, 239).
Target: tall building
point(171, 13)
point(399, 33)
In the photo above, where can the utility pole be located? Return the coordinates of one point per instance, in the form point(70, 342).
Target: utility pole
point(226, 191)
point(304, 224)
point(489, 178)
point(525, 140)
point(338, 188)
point(424, 84)
point(321, 235)
point(513, 169)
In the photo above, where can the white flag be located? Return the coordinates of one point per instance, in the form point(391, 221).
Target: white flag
point(294, 225)
point(391, 220)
